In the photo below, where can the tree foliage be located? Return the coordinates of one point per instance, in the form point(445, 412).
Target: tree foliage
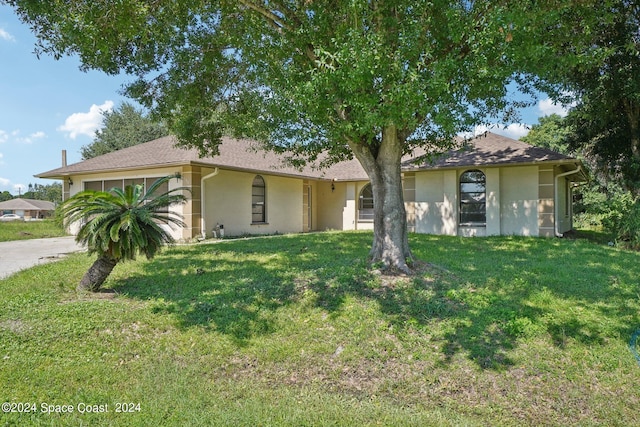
point(121, 128)
point(326, 80)
point(49, 192)
point(5, 195)
point(550, 132)
point(605, 83)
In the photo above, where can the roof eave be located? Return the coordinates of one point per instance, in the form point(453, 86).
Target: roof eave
point(63, 175)
point(494, 165)
point(66, 174)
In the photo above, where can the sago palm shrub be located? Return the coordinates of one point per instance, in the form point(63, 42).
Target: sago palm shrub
point(117, 225)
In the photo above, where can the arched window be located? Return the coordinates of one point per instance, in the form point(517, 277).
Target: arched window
point(365, 204)
point(473, 194)
point(258, 198)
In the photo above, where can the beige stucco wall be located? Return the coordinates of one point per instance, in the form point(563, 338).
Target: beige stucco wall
point(564, 214)
point(493, 197)
point(228, 202)
point(336, 208)
point(330, 204)
point(436, 202)
point(546, 204)
point(519, 200)
point(512, 198)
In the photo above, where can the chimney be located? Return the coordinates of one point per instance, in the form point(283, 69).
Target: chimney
point(64, 158)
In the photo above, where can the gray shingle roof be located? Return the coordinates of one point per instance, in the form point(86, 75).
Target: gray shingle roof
point(240, 154)
point(27, 205)
point(486, 150)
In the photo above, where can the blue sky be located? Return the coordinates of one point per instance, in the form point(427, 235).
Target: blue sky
point(47, 106)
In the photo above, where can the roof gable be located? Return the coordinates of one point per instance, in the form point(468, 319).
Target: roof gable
point(487, 149)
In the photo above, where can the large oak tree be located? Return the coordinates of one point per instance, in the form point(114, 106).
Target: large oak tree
point(322, 79)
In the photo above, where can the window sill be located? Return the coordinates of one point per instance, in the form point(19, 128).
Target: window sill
point(471, 224)
point(259, 223)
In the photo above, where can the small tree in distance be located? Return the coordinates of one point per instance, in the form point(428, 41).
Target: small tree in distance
point(118, 225)
point(121, 128)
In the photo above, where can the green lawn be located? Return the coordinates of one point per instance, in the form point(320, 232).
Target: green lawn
point(297, 331)
point(24, 230)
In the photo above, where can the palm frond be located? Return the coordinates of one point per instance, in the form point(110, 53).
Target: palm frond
point(119, 223)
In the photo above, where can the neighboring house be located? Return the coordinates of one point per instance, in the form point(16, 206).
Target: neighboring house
point(493, 185)
point(27, 208)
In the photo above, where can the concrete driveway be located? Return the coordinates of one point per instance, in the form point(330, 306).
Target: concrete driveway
point(21, 254)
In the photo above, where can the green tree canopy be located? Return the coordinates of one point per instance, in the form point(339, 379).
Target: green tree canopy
point(121, 128)
point(49, 192)
point(605, 83)
point(326, 79)
point(550, 132)
point(5, 195)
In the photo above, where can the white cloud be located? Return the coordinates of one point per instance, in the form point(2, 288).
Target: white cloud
point(547, 107)
point(4, 182)
point(85, 123)
point(514, 130)
point(14, 135)
point(6, 36)
point(27, 139)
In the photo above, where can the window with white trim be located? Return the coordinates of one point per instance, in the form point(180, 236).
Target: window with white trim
point(473, 195)
point(365, 204)
point(258, 199)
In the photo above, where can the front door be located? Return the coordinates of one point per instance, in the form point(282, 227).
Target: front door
point(307, 218)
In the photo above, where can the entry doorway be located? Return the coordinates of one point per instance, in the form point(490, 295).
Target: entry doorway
point(307, 207)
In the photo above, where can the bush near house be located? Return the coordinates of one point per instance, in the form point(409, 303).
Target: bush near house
point(624, 221)
point(617, 213)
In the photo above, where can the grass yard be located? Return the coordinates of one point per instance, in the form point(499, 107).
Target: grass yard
point(24, 230)
point(297, 331)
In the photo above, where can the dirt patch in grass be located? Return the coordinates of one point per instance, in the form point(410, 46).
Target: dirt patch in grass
point(423, 271)
point(101, 295)
point(15, 326)
point(423, 383)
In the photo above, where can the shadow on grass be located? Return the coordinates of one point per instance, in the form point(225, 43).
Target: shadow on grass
point(483, 294)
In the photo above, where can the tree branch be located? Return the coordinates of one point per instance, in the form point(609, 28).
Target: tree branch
point(273, 19)
point(281, 23)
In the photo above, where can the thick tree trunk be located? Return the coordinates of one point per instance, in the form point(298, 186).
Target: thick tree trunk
point(97, 274)
point(390, 240)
